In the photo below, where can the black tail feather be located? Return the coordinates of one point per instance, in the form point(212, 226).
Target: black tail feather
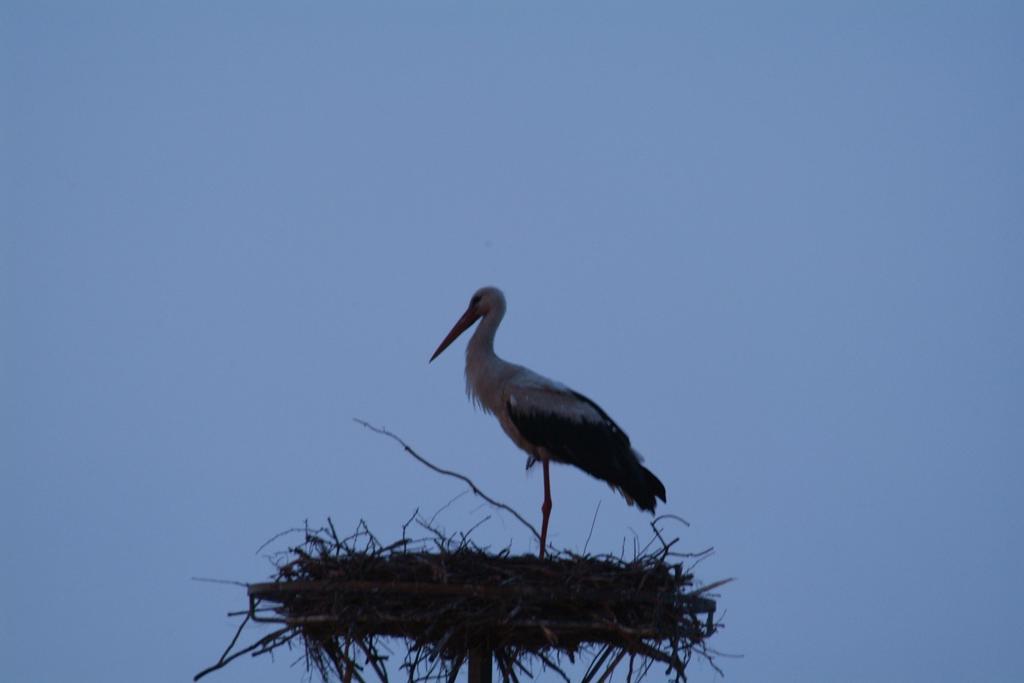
point(655, 484)
point(644, 489)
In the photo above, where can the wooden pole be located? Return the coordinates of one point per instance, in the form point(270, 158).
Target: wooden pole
point(479, 665)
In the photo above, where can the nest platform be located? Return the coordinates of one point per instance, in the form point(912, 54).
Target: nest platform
point(341, 598)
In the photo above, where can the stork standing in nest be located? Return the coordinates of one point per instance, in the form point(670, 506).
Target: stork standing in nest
point(546, 419)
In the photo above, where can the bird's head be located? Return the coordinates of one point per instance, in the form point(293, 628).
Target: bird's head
point(484, 301)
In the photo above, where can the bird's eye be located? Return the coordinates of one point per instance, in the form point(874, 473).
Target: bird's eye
point(475, 300)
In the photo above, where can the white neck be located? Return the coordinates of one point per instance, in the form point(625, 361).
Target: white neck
point(482, 343)
point(483, 366)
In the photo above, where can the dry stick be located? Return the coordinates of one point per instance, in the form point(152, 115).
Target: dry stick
point(611, 666)
point(381, 673)
point(229, 582)
point(234, 640)
point(445, 507)
point(709, 587)
point(595, 665)
point(669, 516)
point(277, 536)
point(224, 661)
point(592, 523)
point(554, 667)
point(476, 489)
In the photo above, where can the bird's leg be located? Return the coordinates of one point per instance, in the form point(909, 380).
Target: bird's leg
point(545, 510)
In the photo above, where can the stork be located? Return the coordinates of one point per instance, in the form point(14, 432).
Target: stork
point(548, 420)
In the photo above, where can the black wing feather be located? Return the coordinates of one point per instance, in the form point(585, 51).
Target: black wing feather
point(601, 449)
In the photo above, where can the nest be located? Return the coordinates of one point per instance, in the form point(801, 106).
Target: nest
point(341, 599)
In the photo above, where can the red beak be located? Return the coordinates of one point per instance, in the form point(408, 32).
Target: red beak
point(461, 325)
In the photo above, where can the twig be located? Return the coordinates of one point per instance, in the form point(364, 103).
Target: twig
point(276, 536)
point(224, 661)
point(465, 534)
point(669, 516)
point(710, 587)
point(446, 506)
point(595, 665)
point(554, 667)
point(611, 667)
point(469, 482)
point(229, 582)
point(592, 523)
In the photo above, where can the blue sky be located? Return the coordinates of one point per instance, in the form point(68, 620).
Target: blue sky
point(781, 245)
